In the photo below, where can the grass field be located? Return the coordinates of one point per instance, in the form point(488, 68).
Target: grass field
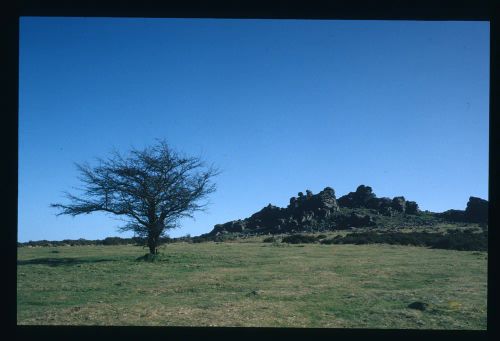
point(253, 284)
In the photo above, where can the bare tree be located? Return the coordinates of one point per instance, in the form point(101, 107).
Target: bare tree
point(152, 189)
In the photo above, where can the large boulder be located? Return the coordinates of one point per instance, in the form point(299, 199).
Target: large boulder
point(231, 226)
point(270, 212)
point(385, 207)
point(411, 207)
point(357, 199)
point(310, 202)
point(399, 204)
point(327, 199)
point(477, 210)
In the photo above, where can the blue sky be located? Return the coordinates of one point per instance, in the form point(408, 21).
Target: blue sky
point(280, 106)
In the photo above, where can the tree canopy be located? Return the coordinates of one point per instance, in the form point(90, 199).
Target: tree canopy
point(151, 188)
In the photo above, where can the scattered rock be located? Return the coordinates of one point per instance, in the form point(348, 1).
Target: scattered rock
point(418, 306)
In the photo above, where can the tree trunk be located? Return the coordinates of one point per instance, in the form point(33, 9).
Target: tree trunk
point(154, 236)
point(153, 250)
point(152, 246)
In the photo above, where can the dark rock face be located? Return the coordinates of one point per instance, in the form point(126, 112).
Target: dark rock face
point(324, 200)
point(365, 198)
point(357, 199)
point(477, 210)
point(232, 226)
point(411, 207)
point(384, 206)
point(354, 220)
point(399, 204)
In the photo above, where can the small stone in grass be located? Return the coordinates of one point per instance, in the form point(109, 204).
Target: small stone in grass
point(418, 305)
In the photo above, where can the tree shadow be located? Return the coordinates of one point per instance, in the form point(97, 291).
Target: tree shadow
point(61, 261)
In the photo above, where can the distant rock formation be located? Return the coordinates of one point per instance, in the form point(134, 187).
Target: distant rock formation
point(356, 209)
point(475, 212)
point(322, 209)
point(303, 210)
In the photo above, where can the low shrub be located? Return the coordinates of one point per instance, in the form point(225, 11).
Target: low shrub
point(455, 240)
point(199, 239)
point(299, 239)
point(112, 241)
point(271, 239)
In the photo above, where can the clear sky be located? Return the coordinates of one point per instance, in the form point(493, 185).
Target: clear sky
point(280, 106)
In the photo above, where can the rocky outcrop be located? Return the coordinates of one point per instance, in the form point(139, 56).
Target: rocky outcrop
point(305, 207)
point(361, 208)
point(365, 198)
point(302, 211)
point(411, 207)
point(360, 198)
point(399, 204)
point(354, 220)
point(232, 226)
point(477, 210)
point(315, 210)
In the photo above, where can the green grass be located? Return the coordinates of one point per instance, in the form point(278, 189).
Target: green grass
point(252, 283)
